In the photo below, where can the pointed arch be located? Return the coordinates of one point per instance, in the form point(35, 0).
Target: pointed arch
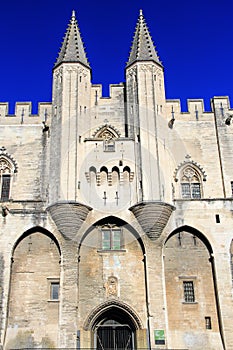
point(191, 177)
point(113, 306)
point(189, 269)
point(106, 132)
point(8, 164)
point(192, 164)
point(193, 231)
point(34, 282)
point(8, 167)
point(36, 229)
point(111, 221)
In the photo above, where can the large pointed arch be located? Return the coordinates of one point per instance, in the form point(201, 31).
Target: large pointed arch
point(34, 288)
point(190, 278)
point(35, 229)
point(120, 222)
point(193, 231)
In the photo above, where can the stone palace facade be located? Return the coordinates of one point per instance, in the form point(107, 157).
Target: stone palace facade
point(116, 227)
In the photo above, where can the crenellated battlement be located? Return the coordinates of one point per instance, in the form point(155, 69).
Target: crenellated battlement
point(114, 91)
point(220, 105)
point(23, 113)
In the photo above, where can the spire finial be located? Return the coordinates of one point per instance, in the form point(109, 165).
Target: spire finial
point(72, 49)
point(142, 47)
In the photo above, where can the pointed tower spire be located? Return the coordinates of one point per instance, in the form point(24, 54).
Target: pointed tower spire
point(142, 48)
point(72, 49)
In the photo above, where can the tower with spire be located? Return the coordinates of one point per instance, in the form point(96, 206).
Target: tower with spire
point(145, 107)
point(71, 99)
point(116, 228)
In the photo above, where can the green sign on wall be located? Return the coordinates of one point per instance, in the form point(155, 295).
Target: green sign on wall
point(159, 336)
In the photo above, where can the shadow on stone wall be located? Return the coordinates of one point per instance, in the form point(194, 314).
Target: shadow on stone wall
point(25, 340)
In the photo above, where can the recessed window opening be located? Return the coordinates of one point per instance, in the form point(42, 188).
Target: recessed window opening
point(217, 218)
point(111, 239)
point(6, 171)
point(5, 187)
point(54, 291)
point(190, 184)
point(189, 296)
point(208, 324)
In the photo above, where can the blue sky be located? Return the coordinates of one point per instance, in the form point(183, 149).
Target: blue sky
point(194, 40)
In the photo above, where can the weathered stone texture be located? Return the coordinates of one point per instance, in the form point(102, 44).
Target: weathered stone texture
point(157, 179)
point(31, 309)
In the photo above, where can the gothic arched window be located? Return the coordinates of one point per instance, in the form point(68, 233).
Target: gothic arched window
point(190, 183)
point(6, 171)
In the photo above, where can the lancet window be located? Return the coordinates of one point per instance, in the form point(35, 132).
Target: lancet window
point(6, 171)
point(190, 183)
point(190, 176)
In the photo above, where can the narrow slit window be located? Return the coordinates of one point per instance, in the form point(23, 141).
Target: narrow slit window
point(208, 324)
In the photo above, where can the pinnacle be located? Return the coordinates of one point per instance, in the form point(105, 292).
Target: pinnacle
point(142, 48)
point(72, 49)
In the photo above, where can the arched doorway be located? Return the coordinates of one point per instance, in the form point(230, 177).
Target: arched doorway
point(114, 330)
point(115, 325)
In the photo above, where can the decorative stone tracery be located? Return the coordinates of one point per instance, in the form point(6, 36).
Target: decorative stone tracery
point(189, 164)
point(106, 132)
point(7, 163)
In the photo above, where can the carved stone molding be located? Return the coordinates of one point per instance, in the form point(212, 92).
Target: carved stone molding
point(7, 162)
point(103, 129)
point(111, 287)
point(152, 216)
point(131, 72)
point(69, 217)
point(191, 163)
point(113, 303)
